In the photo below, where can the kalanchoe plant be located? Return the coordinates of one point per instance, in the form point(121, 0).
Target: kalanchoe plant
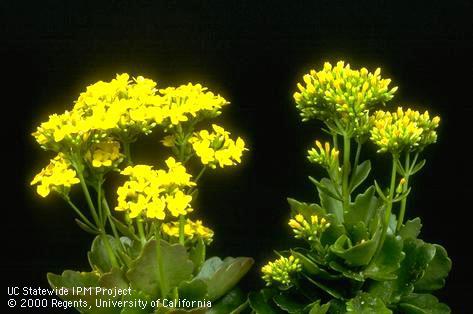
point(361, 255)
point(147, 241)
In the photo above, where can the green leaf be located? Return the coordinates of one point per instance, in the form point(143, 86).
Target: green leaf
point(144, 272)
point(124, 229)
point(310, 267)
point(359, 175)
point(388, 261)
point(347, 272)
point(330, 204)
point(260, 303)
point(72, 279)
point(418, 167)
point(436, 272)
point(365, 303)
point(222, 276)
point(137, 295)
point(364, 207)
point(356, 255)
point(317, 308)
point(305, 209)
point(196, 289)
point(85, 227)
point(233, 302)
point(114, 278)
point(288, 303)
point(325, 189)
point(422, 304)
point(197, 255)
point(98, 256)
point(332, 233)
point(380, 191)
point(330, 290)
point(411, 229)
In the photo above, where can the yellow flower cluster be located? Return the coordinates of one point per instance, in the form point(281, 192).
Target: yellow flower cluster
point(341, 94)
point(324, 155)
point(104, 154)
point(217, 148)
point(151, 192)
point(280, 270)
point(308, 230)
point(404, 129)
point(189, 101)
point(121, 107)
point(193, 230)
point(57, 176)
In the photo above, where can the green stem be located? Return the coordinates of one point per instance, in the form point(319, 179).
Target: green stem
point(357, 155)
point(402, 210)
point(346, 172)
point(126, 148)
point(157, 236)
point(89, 199)
point(335, 140)
point(389, 205)
point(141, 231)
point(99, 201)
point(108, 213)
point(182, 224)
point(81, 215)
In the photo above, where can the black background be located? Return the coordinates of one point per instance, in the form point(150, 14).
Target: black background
point(253, 53)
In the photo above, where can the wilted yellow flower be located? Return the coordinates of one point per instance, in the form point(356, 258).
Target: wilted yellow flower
point(217, 148)
point(403, 130)
point(341, 94)
point(179, 104)
point(57, 176)
point(324, 155)
point(308, 229)
point(104, 154)
point(192, 231)
point(280, 270)
point(151, 192)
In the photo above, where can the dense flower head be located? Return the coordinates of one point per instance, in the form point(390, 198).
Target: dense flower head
point(186, 102)
point(151, 192)
point(324, 155)
point(403, 130)
point(193, 230)
point(217, 148)
point(308, 229)
point(339, 94)
point(104, 154)
point(121, 107)
point(280, 270)
point(58, 176)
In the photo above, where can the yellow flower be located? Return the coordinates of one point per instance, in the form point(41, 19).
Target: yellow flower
point(180, 104)
point(104, 154)
point(192, 231)
point(57, 176)
point(308, 229)
point(403, 130)
point(169, 141)
point(153, 193)
point(217, 148)
point(339, 95)
point(281, 270)
point(178, 203)
point(324, 155)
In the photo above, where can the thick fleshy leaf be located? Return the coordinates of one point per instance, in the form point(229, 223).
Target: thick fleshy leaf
point(347, 271)
point(197, 255)
point(261, 303)
point(436, 273)
point(305, 209)
point(365, 303)
point(114, 278)
point(145, 274)
point(98, 256)
point(360, 174)
point(364, 207)
point(330, 204)
point(288, 303)
point(356, 255)
point(388, 261)
point(317, 308)
point(196, 289)
point(422, 304)
point(411, 229)
point(310, 267)
point(233, 302)
point(222, 276)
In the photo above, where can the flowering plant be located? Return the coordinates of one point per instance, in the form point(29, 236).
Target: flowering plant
point(146, 242)
point(361, 255)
